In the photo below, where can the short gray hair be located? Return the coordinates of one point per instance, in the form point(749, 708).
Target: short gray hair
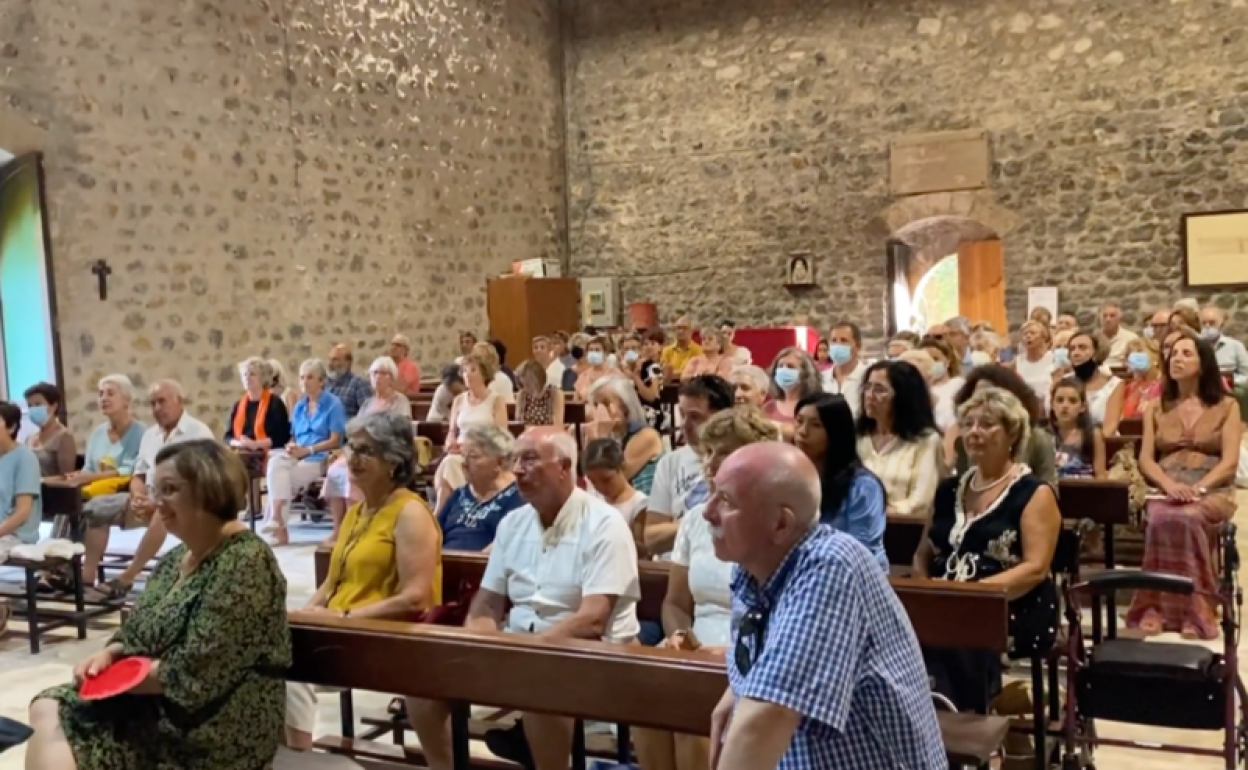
point(627, 394)
point(756, 373)
point(565, 447)
point(959, 323)
point(314, 366)
point(384, 364)
point(395, 442)
point(121, 382)
point(172, 385)
point(495, 441)
point(262, 368)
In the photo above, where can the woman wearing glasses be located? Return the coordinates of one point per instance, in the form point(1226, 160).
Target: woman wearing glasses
point(897, 436)
point(387, 562)
point(998, 523)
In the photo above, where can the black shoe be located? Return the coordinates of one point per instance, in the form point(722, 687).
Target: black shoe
point(511, 744)
point(13, 734)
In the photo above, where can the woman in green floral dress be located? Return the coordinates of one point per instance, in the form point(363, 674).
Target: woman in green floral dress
point(213, 618)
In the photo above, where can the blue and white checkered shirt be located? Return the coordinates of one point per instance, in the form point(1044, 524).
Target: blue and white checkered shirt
point(352, 390)
point(839, 650)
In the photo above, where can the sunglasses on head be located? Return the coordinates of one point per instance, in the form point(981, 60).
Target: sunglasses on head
point(752, 627)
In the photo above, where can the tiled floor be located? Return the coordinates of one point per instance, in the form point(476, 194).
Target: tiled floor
point(23, 676)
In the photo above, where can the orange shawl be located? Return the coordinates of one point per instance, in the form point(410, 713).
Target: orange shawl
point(240, 416)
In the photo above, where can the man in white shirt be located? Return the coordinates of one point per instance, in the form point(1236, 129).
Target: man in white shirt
point(740, 356)
point(845, 376)
point(1115, 336)
point(1232, 358)
point(678, 484)
point(567, 565)
point(172, 425)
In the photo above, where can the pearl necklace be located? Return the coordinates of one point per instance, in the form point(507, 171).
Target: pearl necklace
point(1004, 477)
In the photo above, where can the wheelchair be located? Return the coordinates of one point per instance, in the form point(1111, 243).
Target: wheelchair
point(1160, 684)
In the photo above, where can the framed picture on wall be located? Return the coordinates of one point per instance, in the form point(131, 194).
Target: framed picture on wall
point(801, 270)
point(1215, 249)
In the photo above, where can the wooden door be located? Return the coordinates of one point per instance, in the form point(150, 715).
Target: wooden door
point(981, 283)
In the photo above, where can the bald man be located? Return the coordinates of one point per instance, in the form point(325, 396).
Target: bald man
point(824, 670)
point(674, 357)
point(350, 388)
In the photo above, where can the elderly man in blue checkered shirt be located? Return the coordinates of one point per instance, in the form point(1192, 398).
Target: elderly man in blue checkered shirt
point(824, 670)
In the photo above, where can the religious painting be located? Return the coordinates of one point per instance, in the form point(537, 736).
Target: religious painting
point(1215, 249)
point(801, 270)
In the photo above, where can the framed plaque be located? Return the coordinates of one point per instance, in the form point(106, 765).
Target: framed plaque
point(1215, 249)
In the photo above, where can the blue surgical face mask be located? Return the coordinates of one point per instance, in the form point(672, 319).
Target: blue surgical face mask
point(840, 353)
point(786, 378)
point(595, 357)
point(1061, 357)
point(1139, 361)
point(630, 355)
point(1210, 333)
point(938, 370)
point(38, 415)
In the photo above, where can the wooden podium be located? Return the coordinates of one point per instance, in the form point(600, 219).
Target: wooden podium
point(521, 307)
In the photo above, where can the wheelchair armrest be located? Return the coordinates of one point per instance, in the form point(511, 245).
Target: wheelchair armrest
point(1134, 580)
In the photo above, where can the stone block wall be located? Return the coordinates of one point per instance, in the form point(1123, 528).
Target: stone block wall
point(267, 177)
point(708, 138)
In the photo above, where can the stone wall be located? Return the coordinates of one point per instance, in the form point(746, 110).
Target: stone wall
point(270, 176)
point(708, 138)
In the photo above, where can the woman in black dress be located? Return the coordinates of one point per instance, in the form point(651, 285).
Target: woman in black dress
point(998, 523)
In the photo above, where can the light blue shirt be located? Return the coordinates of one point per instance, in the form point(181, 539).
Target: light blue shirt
point(103, 454)
point(1232, 359)
point(19, 475)
point(863, 515)
point(308, 429)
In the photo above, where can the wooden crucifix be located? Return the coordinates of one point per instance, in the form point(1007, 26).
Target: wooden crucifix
point(102, 271)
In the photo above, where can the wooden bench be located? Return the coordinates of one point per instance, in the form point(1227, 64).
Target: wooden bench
point(1131, 426)
point(62, 497)
point(31, 606)
point(902, 537)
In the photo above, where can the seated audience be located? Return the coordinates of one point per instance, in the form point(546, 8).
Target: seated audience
point(1061, 355)
point(544, 354)
point(350, 388)
point(479, 404)
point(467, 342)
point(383, 374)
point(21, 487)
point(1066, 322)
point(1034, 362)
point(259, 421)
point(678, 482)
point(848, 370)
point(388, 565)
point(920, 360)
point(500, 382)
point(1230, 352)
point(1144, 385)
point(172, 425)
point(1185, 317)
point(596, 367)
point(750, 385)
point(823, 358)
point(956, 333)
point(621, 418)
point(1190, 451)
point(1104, 390)
point(741, 356)
point(471, 514)
point(538, 402)
point(697, 609)
point(1080, 444)
point(1114, 336)
point(997, 523)
point(896, 346)
point(409, 371)
point(316, 428)
point(846, 687)
point(53, 443)
point(640, 363)
point(213, 616)
point(944, 382)
point(676, 355)
point(560, 526)
point(448, 390)
point(793, 376)
point(985, 347)
point(280, 386)
point(1041, 315)
point(604, 470)
point(1041, 449)
point(853, 500)
point(113, 445)
point(897, 436)
point(501, 351)
point(712, 359)
point(1158, 326)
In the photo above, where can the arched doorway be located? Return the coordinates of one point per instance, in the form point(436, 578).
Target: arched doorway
point(945, 266)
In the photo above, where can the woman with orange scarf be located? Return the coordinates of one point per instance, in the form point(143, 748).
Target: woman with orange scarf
point(259, 421)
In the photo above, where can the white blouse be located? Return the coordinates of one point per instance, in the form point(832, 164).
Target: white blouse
point(710, 580)
point(942, 402)
point(910, 470)
point(1038, 375)
point(1098, 400)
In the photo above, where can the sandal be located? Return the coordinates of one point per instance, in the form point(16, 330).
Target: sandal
point(114, 590)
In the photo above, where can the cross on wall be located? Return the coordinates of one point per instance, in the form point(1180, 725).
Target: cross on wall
point(102, 271)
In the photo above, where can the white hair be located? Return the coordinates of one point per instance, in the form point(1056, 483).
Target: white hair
point(992, 339)
point(314, 366)
point(262, 368)
point(756, 373)
point(494, 440)
point(565, 446)
point(125, 388)
point(627, 394)
point(959, 324)
point(172, 385)
point(384, 364)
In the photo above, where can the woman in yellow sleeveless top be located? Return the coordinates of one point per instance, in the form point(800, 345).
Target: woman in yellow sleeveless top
point(387, 562)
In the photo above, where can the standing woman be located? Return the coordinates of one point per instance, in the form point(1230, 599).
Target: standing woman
point(897, 436)
point(538, 402)
point(53, 444)
point(388, 564)
point(213, 616)
point(477, 405)
point(1190, 450)
point(853, 500)
point(793, 377)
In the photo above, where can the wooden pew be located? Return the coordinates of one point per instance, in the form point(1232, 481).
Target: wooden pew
point(1107, 504)
point(1131, 426)
point(902, 536)
point(62, 497)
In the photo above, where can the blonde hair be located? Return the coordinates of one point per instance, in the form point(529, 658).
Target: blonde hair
point(1005, 407)
point(919, 359)
point(487, 365)
point(1045, 332)
point(531, 369)
point(487, 351)
point(727, 431)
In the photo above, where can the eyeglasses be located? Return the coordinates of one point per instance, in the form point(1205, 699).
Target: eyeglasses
point(163, 491)
point(752, 627)
point(362, 451)
point(937, 337)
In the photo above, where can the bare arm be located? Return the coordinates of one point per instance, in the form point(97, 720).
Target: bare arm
point(1098, 454)
point(1113, 410)
point(452, 429)
point(416, 552)
point(556, 409)
point(677, 612)
point(919, 563)
point(647, 392)
point(643, 448)
point(1041, 523)
point(486, 611)
point(588, 622)
point(500, 412)
point(1148, 451)
point(758, 736)
point(660, 532)
point(23, 505)
point(1224, 472)
point(66, 453)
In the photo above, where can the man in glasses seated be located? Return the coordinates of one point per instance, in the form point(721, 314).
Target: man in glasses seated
point(824, 669)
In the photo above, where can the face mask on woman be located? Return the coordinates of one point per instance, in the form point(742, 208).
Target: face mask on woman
point(1061, 357)
point(630, 356)
point(595, 357)
point(38, 415)
point(786, 377)
point(1139, 361)
point(939, 370)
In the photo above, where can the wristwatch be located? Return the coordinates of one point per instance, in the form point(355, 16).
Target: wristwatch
point(346, 614)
